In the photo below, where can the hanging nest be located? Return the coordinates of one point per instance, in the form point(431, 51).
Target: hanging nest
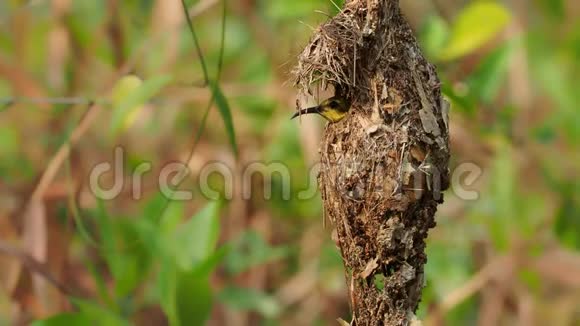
point(331, 56)
point(384, 166)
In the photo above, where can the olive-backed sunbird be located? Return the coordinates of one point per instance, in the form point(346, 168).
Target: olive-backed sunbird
point(332, 109)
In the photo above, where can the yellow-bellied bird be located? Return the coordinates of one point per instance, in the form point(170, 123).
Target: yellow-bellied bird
point(333, 109)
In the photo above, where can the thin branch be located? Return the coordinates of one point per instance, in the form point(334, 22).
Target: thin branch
point(34, 265)
point(58, 159)
point(190, 157)
point(196, 42)
point(8, 101)
point(222, 43)
point(211, 101)
point(474, 285)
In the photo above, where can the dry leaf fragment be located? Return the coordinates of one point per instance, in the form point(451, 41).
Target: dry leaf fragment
point(370, 268)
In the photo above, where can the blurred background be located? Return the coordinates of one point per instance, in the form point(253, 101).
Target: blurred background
point(506, 253)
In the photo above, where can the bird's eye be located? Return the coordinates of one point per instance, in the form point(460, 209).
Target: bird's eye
point(334, 104)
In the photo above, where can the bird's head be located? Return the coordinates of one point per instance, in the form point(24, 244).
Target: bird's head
point(332, 109)
point(335, 103)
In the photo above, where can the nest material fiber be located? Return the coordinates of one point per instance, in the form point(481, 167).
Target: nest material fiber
point(384, 166)
point(330, 58)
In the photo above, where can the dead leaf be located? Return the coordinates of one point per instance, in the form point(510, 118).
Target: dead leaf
point(370, 268)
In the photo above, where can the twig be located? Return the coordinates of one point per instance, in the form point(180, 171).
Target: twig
point(42, 100)
point(476, 283)
point(34, 265)
point(336, 6)
point(203, 123)
point(196, 43)
point(58, 159)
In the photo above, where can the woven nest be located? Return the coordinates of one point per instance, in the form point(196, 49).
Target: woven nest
point(331, 56)
point(383, 167)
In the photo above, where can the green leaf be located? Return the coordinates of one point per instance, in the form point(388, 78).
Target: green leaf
point(450, 258)
point(379, 281)
point(249, 299)
point(193, 298)
point(487, 79)
point(477, 24)
point(128, 274)
point(109, 240)
point(458, 101)
point(557, 78)
point(124, 251)
point(251, 250)
point(99, 315)
point(123, 88)
point(567, 224)
point(434, 33)
point(166, 287)
point(171, 218)
point(9, 141)
point(531, 279)
point(504, 196)
point(195, 241)
point(292, 10)
point(545, 133)
point(131, 261)
point(532, 212)
point(555, 8)
point(186, 296)
point(129, 95)
point(224, 109)
point(65, 319)
point(102, 290)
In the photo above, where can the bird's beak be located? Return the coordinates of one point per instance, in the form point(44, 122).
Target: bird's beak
point(314, 109)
